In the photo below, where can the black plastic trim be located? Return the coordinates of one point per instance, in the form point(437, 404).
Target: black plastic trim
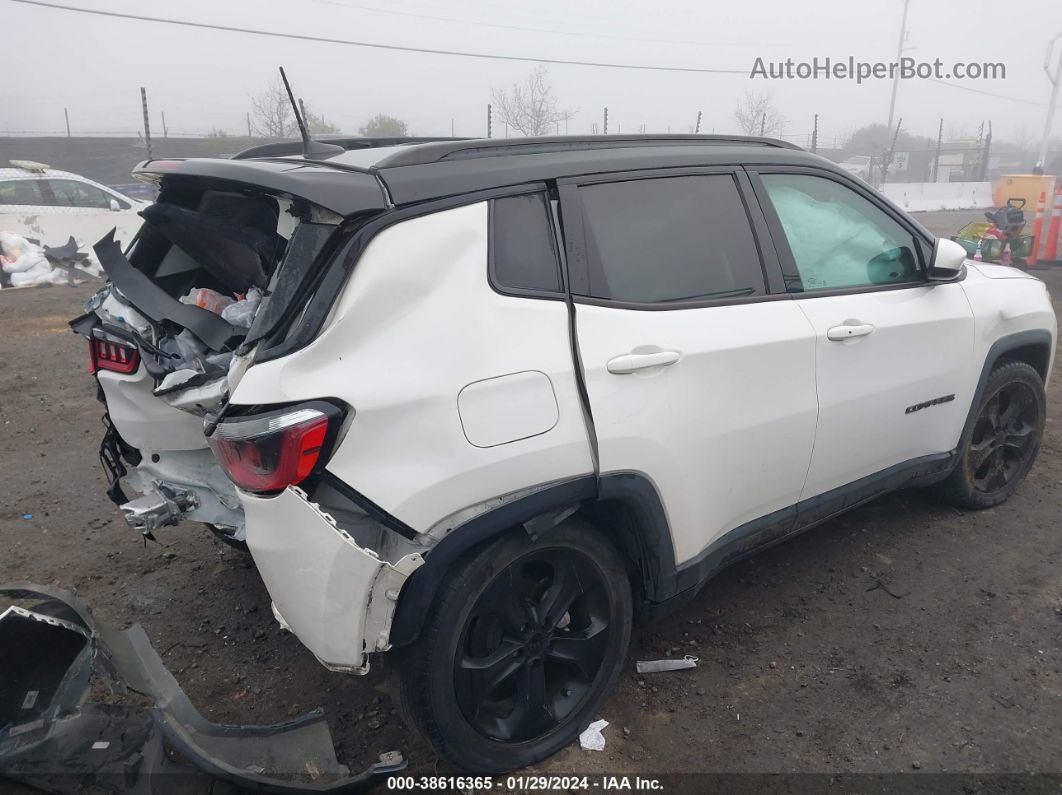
point(524, 292)
point(367, 505)
point(419, 591)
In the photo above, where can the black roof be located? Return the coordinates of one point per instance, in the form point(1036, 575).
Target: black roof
point(375, 173)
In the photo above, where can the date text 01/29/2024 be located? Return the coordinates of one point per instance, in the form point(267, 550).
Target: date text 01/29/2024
point(520, 783)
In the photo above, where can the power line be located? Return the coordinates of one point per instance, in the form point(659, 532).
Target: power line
point(375, 45)
point(987, 93)
point(553, 31)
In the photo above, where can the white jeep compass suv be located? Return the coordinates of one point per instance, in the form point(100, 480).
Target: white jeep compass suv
point(486, 402)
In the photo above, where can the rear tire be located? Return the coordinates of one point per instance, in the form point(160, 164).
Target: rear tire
point(525, 639)
point(999, 448)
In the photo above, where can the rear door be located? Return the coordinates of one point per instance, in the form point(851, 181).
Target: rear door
point(888, 341)
point(697, 377)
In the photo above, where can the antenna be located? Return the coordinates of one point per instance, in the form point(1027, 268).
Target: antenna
point(311, 149)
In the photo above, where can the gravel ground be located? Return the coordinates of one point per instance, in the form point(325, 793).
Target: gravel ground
point(903, 636)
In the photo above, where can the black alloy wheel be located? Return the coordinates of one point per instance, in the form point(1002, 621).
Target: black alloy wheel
point(1001, 440)
point(523, 641)
point(1004, 437)
point(533, 645)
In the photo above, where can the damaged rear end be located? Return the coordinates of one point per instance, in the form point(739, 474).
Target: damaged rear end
point(220, 276)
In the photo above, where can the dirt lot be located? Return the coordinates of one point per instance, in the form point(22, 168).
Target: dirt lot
point(905, 636)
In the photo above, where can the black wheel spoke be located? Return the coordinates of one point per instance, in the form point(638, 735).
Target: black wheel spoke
point(560, 595)
point(1003, 437)
point(981, 451)
point(581, 651)
point(534, 644)
point(483, 675)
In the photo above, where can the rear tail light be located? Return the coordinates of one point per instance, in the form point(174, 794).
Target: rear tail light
point(107, 354)
point(269, 452)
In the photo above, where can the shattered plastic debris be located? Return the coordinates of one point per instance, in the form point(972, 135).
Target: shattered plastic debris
point(242, 312)
point(49, 723)
point(592, 739)
point(655, 666)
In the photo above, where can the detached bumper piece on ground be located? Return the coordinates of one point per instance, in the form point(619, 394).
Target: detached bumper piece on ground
point(54, 738)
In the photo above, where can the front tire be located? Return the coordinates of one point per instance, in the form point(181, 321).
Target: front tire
point(999, 448)
point(525, 639)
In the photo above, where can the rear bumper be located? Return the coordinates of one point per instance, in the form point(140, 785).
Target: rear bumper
point(337, 597)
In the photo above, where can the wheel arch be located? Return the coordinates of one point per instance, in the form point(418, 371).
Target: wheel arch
point(625, 506)
point(1032, 347)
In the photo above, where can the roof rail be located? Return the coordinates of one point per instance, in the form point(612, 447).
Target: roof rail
point(283, 148)
point(495, 147)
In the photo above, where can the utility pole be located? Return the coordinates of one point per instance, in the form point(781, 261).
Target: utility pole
point(606, 121)
point(489, 118)
point(248, 124)
point(451, 128)
point(1055, 81)
point(147, 124)
point(302, 112)
point(887, 159)
point(815, 135)
point(697, 129)
point(899, 54)
point(66, 113)
point(936, 157)
point(984, 154)
point(165, 131)
point(763, 124)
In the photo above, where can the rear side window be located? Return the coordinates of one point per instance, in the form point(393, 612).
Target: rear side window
point(671, 239)
point(69, 193)
point(20, 191)
point(523, 248)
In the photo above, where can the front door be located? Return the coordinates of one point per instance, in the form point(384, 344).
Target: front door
point(893, 350)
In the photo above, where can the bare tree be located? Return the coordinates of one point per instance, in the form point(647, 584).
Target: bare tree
point(383, 126)
point(757, 115)
point(530, 107)
point(271, 115)
point(316, 124)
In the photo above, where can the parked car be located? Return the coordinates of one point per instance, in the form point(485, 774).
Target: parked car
point(858, 166)
point(45, 204)
point(504, 397)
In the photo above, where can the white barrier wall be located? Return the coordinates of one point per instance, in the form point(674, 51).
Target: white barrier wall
point(927, 196)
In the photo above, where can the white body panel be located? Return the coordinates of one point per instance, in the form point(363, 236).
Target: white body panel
point(725, 433)
point(416, 324)
point(339, 597)
point(920, 348)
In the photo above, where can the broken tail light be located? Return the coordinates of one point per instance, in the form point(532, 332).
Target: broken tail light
point(105, 354)
point(268, 452)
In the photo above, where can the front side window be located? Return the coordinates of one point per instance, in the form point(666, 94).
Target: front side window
point(20, 191)
point(523, 247)
point(838, 238)
point(670, 239)
point(70, 193)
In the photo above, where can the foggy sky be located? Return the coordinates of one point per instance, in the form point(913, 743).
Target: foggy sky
point(94, 66)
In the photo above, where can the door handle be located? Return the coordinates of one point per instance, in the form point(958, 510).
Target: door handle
point(844, 332)
point(629, 362)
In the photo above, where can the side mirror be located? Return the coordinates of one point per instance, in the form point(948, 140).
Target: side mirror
point(114, 205)
point(948, 260)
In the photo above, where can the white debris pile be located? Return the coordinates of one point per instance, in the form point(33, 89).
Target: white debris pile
point(25, 263)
